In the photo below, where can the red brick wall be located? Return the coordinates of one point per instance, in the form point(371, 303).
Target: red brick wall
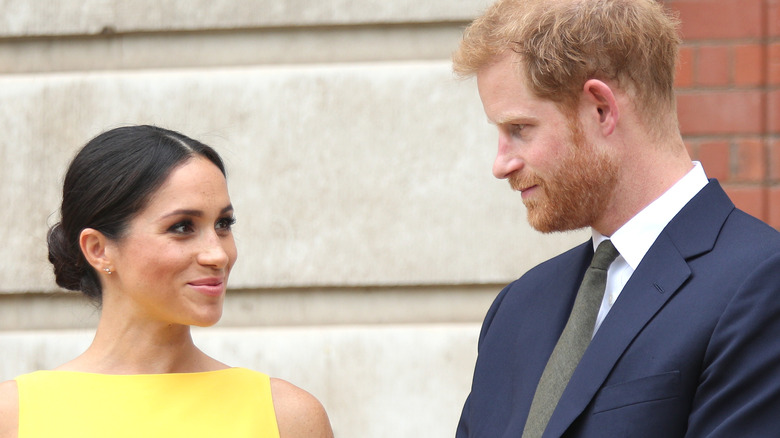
point(728, 85)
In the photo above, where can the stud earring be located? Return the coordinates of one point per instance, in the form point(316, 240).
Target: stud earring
point(108, 270)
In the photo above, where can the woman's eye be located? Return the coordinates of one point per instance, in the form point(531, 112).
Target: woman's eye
point(182, 227)
point(226, 223)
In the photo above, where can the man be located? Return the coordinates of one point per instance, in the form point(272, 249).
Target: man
point(680, 334)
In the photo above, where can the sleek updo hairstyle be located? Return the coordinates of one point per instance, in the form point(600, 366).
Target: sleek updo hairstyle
point(108, 182)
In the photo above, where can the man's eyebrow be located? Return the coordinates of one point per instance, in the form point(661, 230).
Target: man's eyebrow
point(513, 118)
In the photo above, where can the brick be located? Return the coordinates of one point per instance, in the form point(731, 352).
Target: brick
point(773, 108)
point(719, 19)
point(774, 160)
point(773, 14)
point(684, 75)
point(713, 66)
point(751, 160)
point(773, 64)
point(715, 157)
point(773, 206)
point(750, 199)
point(749, 65)
point(724, 112)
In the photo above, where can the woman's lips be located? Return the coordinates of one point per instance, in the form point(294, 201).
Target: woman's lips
point(213, 287)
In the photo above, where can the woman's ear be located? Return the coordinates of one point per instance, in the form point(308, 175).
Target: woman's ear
point(601, 103)
point(93, 245)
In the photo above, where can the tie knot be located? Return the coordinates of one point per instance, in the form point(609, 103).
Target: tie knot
point(605, 254)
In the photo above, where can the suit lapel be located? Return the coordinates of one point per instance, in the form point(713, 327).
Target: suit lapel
point(661, 273)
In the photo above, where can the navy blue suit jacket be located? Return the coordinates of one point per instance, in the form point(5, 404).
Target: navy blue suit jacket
point(691, 347)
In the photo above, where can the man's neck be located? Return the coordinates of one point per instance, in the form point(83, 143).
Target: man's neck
point(644, 176)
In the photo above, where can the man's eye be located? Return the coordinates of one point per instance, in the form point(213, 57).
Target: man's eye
point(517, 129)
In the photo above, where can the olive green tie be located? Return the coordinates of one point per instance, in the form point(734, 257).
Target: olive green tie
point(573, 341)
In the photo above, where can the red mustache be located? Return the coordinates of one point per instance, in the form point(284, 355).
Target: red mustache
point(520, 183)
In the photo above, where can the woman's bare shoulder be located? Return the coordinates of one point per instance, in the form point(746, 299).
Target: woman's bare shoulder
point(298, 413)
point(9, 409)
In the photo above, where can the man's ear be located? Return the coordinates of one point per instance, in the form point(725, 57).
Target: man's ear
point(93, 245)
point(601, 104)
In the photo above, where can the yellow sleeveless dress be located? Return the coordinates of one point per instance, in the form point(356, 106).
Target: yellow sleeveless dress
point(234, 402)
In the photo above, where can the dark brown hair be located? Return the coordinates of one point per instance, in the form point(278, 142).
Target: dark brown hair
point(108, 182)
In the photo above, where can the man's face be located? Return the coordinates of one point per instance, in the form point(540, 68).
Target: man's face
point(564, 180)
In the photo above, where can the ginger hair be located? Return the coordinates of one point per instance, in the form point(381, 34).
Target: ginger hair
point(560, 44)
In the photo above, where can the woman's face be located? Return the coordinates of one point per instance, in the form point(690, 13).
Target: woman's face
point(172, 265)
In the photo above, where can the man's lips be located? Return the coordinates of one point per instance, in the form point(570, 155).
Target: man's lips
point(527, 191)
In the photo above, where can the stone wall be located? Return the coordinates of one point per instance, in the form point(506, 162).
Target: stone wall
point(372, 236)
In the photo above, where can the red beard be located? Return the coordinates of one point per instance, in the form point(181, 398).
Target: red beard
point(575, 193)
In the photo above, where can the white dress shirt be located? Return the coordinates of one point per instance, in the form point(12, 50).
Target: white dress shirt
point(636, 236)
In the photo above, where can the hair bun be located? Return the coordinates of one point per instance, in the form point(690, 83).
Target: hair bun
point(70, 269)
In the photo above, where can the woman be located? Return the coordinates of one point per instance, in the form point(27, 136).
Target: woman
point(146, 232)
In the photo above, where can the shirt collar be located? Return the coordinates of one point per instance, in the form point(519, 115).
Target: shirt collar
point(636, 236)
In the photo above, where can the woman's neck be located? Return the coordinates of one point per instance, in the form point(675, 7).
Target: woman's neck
point(124, 346)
